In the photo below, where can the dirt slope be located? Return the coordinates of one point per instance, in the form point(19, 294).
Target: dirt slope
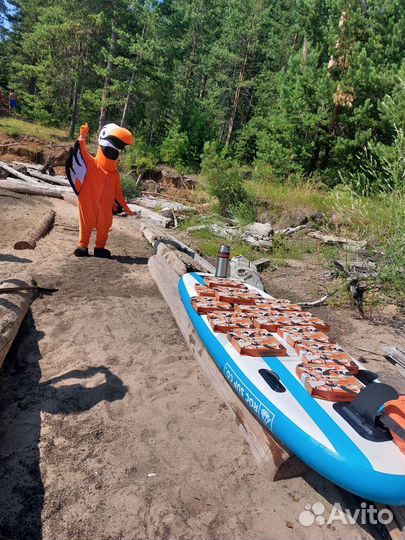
point(108, 428)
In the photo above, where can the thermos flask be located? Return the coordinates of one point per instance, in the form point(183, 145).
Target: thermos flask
point(221, 269)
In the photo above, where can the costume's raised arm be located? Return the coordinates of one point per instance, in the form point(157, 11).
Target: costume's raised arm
point(119, 197)
point(78, 161)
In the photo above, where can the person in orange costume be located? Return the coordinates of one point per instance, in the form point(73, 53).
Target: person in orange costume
point(96, 182)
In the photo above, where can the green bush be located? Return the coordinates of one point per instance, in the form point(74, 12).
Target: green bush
point(130, 189)
point(139, 157)
point(223, 181)
point(174, 148)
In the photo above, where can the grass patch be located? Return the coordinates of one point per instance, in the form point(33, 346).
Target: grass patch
point(14, 127)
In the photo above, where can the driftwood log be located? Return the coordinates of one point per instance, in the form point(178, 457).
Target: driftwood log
point(169, 254)
point(17, 174)
point(329, 239)
point(155, 203)
point(29, 188)
point(38, 231)
point(153, 232)
point(149, 214)
point(35, 166)
point(245, 270)
point(58, 180)
point(396, 354)
point(13, 308)
point(263, 445)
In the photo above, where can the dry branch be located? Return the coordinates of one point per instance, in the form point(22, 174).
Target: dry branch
point(38, 231)
point(316, 303)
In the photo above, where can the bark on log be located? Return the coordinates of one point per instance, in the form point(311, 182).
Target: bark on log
point(169, 254)
point(38, 231)
point(58, 180)
point(396, 354)
point(13, 308)
point(263, 445)
point(20, 186)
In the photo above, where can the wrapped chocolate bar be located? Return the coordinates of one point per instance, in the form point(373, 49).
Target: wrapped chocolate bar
point(222, 321)
point(203, 305)
point(256, 343)
point(235, 296)
point(224, 282)
point(271, 321)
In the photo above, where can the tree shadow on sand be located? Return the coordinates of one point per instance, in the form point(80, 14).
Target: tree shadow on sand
point(22, 399)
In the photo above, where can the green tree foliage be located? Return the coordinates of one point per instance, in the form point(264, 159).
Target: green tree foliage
point(293, 87)
point(223, 181)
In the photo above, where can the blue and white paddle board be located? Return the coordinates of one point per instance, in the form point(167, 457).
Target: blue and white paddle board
point(311, 428)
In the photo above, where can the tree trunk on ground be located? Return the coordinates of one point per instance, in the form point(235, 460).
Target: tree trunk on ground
point(13, 308)
point(236, 98)
point(107, 81)
point(38, 231)
point(58, 180)
point(19, 186)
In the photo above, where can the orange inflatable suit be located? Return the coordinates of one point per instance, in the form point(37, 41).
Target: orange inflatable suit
point(96, 182)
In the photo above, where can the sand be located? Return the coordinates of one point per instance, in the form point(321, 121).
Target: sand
point(108, 427)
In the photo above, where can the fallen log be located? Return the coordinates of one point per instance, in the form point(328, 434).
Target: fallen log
point(17, 174)
point(245, 270)
point(35, 166)
point(38, 231)
point(291, 230)
point(20, 186)
point(262, 264)
point(257, 235)
point(160, 203)
point(145, 213)
point(153, 232)
point(329, 239)
point(13, 308)
point(58, 180)
point(169, 254)
point(264, 446)
point(396, 354)
point(17, 288)
point(191, 264)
